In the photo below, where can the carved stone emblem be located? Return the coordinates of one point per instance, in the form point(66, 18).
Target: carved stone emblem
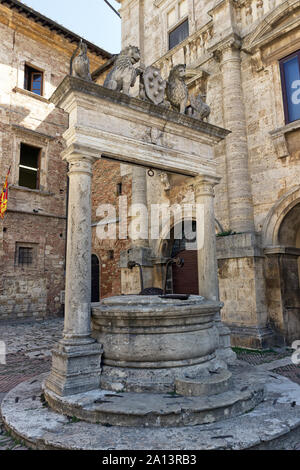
point(154, 136)
point(154, 85)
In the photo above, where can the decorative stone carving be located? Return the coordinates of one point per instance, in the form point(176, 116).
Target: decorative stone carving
point(177, 91)
point(154, 136)
point(256, 61)
point(280, 144)
point(80, 65)
point(198, 109)
point(152, 86)
point(123, 75)
point(165, 181)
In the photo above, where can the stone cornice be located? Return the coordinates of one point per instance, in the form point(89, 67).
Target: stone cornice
point(278, 137)
point(24, 130)
point(266, 31)
point(232, 41)
point(72, 84)
point(282, 250)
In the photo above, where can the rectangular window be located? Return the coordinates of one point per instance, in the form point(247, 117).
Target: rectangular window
point(29, 166)
point(179, 34)
point(25, 256)
point(119, 189)
point(33, 80)
point(290, 79)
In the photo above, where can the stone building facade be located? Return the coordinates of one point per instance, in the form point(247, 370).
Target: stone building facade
point(35, 56)
point(242, 55)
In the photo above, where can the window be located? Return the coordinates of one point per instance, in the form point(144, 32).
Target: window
point(25, 256)
point(290, 79)
point(29, 166)
point(119, 189)
point(33, 80)
point(177, 14)
point(178, 34)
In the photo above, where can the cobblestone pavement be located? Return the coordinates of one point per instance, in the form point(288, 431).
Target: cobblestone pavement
point(28, 353)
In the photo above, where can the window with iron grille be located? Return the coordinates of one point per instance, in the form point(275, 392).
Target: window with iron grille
point(290, 80)
point(25, 256)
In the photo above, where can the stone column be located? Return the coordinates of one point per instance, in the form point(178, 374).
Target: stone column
point(76, 359)
point(207, 256)
point(139, 196)
point(206, 237)
point(140, 251)
point(239, 185)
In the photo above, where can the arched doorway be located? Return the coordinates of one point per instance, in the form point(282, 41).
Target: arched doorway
point(289, 268)
point(182, 280)
point(95, 297)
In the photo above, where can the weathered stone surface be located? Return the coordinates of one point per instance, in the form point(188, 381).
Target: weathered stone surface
point(75, 368)
point(212, 383)
point(232, 57)
point(148, 341)
point(275, 423)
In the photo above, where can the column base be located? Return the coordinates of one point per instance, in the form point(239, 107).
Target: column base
point(254, 337)
point(224, 351)
point(75, 368)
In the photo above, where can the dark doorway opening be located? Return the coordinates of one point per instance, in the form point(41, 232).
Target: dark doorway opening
point(95, 279)
point(183, 280)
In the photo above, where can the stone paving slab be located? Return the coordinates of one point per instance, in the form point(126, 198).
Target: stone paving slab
point(31, 336)
point(275, 423)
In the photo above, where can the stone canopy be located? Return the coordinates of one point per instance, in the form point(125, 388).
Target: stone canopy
point(108, 124)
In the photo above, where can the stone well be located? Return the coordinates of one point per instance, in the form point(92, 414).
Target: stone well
point(159, 367)
point(149, 342)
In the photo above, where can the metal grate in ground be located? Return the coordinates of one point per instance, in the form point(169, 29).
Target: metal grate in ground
point(256, 357)
point(291, 371)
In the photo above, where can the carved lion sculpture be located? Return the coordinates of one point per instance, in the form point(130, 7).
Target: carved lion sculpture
point(81, 63)
point(198, 109)
point(177, 91)
point(124, 74)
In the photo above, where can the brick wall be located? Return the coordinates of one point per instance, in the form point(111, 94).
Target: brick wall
point(35, 218)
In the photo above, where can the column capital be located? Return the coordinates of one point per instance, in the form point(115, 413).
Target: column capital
point(231, 45)
point(80, 152)
point(204, 185)
point(80, 158)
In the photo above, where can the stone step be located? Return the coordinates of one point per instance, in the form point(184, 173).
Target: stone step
point(156, 410)
point(273, 424)
point(215, 383)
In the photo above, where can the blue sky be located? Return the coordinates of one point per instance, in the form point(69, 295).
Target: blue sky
point(91, 19)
